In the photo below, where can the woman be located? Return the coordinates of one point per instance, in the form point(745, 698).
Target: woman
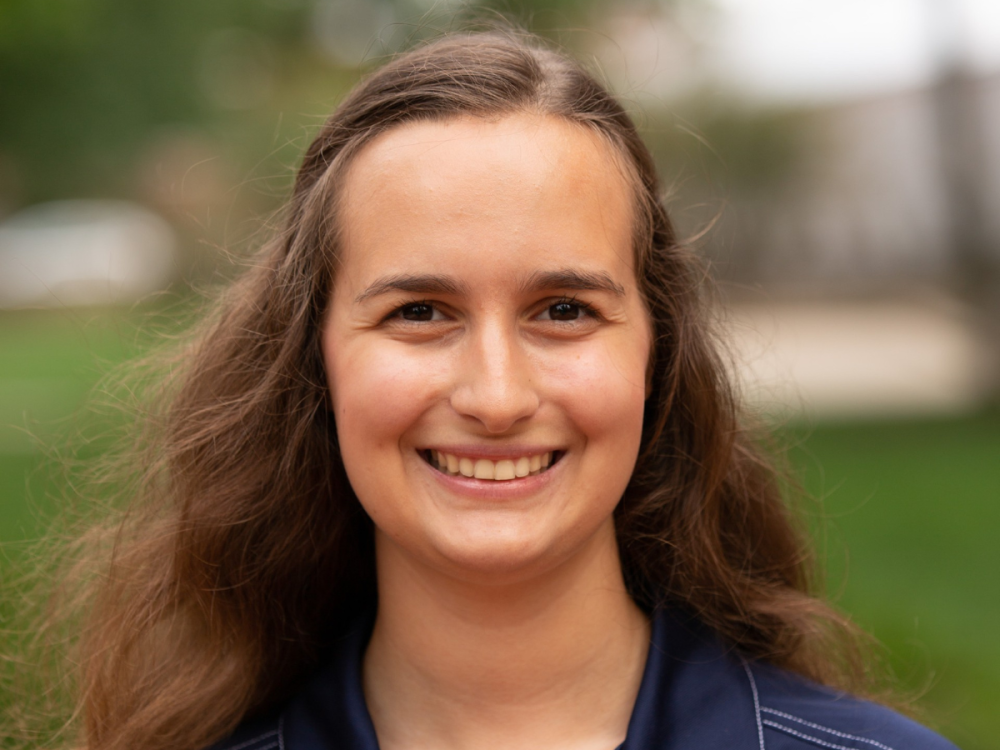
point(456, 466)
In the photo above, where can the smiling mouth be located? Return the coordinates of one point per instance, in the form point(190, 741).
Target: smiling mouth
point(497, 471)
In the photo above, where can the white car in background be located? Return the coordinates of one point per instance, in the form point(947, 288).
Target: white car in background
point(84, 252)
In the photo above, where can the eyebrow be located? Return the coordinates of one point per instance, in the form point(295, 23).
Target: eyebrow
point(587, 281)
point(538, 281)
point(413, 283)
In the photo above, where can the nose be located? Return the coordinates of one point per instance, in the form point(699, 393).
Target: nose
point(495, 384)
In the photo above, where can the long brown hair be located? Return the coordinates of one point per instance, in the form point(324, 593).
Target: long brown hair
point(244, 549)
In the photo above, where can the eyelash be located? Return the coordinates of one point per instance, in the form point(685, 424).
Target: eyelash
point(586, 308)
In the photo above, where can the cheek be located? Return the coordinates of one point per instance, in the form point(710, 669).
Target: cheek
point(377, 394)
point(368, 387)
point(373, 397)
point(602, 387)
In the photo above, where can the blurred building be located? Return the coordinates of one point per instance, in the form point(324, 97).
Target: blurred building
point(846, 157)
point(896, 156)
point(888, 189)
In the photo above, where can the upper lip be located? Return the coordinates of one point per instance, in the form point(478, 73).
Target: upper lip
point(493, 452)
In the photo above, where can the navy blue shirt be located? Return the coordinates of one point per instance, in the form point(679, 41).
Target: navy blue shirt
point(695, 694)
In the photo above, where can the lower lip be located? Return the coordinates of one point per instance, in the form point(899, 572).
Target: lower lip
point(491, 489)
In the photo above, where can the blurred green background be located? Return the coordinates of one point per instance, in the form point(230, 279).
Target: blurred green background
point(198, 112)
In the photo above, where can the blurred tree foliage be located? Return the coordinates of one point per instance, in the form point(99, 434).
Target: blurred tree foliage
point(88, 87)
point(82, 82)
point(544, 15)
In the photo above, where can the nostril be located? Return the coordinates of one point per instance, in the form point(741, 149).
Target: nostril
point(497, 400)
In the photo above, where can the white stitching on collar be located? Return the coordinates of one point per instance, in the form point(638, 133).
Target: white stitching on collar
point(834, 732)
point(258, 738)
point(756, 703)
point(804, 736)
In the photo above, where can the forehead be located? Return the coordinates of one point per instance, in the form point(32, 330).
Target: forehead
point(525, 187)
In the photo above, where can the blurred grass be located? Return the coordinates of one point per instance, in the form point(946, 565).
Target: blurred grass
point(911, 515)
point(908, 526)
point(49, 362)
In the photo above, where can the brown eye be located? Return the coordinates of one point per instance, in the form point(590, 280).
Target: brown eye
point(564, 311)
point(419, 311)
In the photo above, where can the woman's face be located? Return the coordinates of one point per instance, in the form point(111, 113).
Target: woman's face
point(486, 344)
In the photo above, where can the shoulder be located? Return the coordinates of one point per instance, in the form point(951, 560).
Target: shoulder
point(698, 693)
point(795, 714)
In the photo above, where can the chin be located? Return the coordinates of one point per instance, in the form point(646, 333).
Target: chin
point(507, 554)
point(496, 560)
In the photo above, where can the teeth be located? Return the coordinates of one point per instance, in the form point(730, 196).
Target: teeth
point(504, 470)
point(483, 468)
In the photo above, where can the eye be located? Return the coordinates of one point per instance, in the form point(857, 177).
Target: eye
point(418, 312)
point(566, 311)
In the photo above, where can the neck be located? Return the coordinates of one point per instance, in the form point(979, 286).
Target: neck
point(554, 660)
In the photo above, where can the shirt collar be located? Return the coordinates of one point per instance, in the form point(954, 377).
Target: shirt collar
point(694, 695)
